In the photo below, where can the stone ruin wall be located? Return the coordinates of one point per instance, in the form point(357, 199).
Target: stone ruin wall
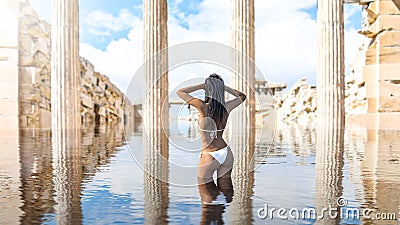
point(381, 72)
point(102, 103)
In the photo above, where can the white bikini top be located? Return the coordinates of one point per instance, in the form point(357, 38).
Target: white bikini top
point(213, 133)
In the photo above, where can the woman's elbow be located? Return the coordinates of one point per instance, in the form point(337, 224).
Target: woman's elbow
point(242, 97)
point(179, 93)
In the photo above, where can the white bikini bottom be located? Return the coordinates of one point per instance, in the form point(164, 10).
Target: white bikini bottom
point(219, 155)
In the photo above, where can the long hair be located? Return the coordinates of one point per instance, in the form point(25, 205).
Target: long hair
point(215, 97)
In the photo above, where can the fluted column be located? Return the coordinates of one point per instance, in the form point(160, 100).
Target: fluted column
point(155, 115)
point(242, 126)
point(65, 77)
point(330, 72)
point(242, 41)
point(156, 77)
point(65, 110)
point(330, 92)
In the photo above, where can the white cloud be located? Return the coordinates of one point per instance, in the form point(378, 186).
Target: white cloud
point(103, 23)
point(286, 38)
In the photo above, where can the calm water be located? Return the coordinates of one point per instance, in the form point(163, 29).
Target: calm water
point(103, 184)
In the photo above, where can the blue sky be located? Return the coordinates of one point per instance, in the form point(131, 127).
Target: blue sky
point(111, 35)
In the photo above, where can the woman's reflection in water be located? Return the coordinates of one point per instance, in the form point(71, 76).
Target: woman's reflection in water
point(214, 199)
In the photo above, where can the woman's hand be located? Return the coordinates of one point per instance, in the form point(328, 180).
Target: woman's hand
point(235, 93)
point(240, 97)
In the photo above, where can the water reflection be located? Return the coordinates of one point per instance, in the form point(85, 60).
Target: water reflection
point(367, 174)
point(67, 176)
point(242, 142)
point(10, 194)
point(156, 188)
point(329, 174)
point(37, 186)
point(51, 176)
point(381, 174)
point(214, 199)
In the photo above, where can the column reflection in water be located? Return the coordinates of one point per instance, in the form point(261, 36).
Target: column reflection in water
point(381, 174)
point(156, 192)
point(243, 180)
point(67, 176)
point(49, 186)
point(242, 145)
point(329, 174)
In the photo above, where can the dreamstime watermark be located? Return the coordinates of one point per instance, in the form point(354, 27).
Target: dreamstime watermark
point(341, 210)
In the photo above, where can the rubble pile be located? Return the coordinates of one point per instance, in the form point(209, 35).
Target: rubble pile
point(298, 104)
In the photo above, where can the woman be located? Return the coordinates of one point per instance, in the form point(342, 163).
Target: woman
point(214, 111)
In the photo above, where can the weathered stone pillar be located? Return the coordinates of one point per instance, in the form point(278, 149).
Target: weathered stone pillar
point(155, 111)
point(156, 76)
point(65, 77)
point(330, 72)
point(242, 40)
point(330, 106)
point(242, 126)
point(243, 77)
point(65, 110)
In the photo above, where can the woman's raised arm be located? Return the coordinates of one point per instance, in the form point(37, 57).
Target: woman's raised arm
point(183, 93)
point(240, 97)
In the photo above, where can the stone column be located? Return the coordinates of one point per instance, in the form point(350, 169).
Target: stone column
point(65, 110)
point(155, 111)
point(242, 125)
point(330, 72)
point(65, 77)
point(330, 106)
point(242, 41)
point(156, 77)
